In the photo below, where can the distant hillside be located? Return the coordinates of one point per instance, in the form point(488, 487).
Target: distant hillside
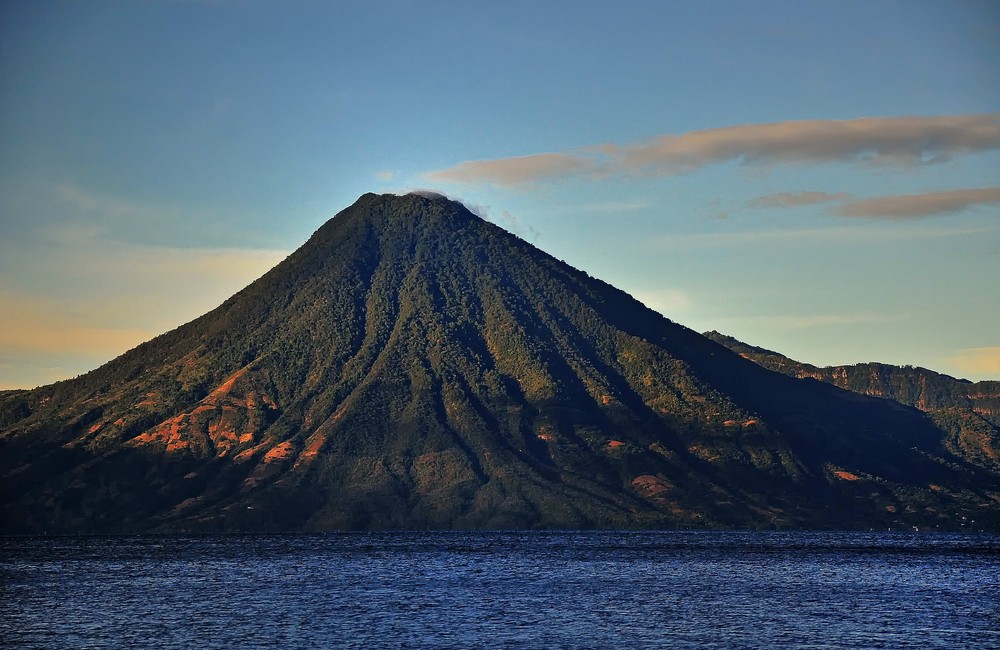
point(969, 411)
point(414, 366)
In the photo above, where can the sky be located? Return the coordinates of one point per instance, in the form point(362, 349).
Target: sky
point(817, 178)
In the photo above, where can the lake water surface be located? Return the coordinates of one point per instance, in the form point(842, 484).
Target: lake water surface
point(503, 589)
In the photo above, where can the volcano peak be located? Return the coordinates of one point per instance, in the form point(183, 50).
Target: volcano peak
point(415, 366)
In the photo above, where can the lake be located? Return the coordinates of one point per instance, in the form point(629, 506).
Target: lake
point(503, 589)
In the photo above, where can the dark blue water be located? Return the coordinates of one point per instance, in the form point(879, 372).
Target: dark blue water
point(515, 589)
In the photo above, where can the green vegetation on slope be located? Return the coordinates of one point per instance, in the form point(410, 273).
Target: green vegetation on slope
point(413, 366)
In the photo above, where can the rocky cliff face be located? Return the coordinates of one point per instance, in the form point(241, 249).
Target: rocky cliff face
point(413, 366)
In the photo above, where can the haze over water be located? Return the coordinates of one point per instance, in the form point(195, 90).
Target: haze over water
point(512, 589)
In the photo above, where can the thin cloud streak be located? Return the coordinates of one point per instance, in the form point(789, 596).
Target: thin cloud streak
point(506, 172)
point(898, 141)
point(803, 236)
point(880, 140)
point(913, 206)
point(794, 199)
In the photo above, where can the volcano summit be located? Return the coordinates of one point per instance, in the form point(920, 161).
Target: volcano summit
point(414, 366)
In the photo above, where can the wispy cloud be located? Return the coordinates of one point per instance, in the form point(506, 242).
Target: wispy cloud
point(898, 207)
point(900, 141)
point(804, 236)
point(793, 199)
point(884, 140)
point(910, 206)
point(506, 172)
point(510, 222)
point(978, 360)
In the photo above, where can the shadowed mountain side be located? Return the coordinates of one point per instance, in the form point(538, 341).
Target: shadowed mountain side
point(918, 387)
point(968, 412)
point(413, 366)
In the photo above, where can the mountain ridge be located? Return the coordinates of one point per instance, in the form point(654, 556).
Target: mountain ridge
point(968, 411)
point(414, 366)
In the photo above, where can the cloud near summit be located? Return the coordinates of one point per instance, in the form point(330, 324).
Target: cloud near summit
point(513, 171)
point(900, 141)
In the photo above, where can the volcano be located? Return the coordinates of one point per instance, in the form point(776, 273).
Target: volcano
point(415, 366)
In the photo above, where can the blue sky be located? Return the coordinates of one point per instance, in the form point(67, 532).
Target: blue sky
point(819, 178)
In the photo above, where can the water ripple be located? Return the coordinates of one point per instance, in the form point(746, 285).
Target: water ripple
point(506, 589)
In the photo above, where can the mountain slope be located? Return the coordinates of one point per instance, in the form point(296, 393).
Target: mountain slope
point(918, 387)
point(414, 366)
point(969, 412)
